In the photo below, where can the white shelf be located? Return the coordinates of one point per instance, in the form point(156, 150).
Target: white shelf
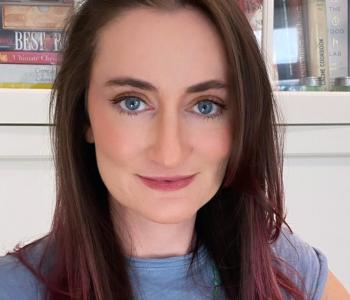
point(314, 107)
point(24, 106)
point(31, 106)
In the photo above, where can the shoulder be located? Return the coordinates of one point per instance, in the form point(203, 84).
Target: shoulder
point(16, 280)
point(307, 260)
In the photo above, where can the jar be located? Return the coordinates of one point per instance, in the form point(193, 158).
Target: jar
point(311, 83)
point(342, 84)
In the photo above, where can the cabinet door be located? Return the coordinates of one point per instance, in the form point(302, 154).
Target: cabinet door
point(316, 178)
point(27, 195)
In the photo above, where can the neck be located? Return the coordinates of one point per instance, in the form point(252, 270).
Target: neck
point(145, 238)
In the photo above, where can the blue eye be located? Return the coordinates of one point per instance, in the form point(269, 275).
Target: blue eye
point(209, 109)
point(129, 104)
point(205, 107)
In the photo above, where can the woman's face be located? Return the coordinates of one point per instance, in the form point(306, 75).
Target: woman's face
point(162, 127)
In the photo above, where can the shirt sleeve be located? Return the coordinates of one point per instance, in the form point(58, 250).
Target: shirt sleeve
point(307, 260)
point(16, 281)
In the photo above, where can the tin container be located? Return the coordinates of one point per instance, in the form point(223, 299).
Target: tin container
point(342, 84)
point(311, 83)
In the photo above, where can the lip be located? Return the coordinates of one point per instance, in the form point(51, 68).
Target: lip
point(167, 183)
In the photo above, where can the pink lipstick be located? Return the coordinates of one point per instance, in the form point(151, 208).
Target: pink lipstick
point(167, 183)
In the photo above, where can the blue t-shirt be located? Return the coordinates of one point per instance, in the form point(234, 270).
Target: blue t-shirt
point(167, 278)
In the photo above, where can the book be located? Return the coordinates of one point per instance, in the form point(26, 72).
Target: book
point(253, 10)
point(37, 58)
point(338, 42)
point(34, 17)
point(31, 35)
point(46, 2)
point(19, 76)
point(317, 40)
point(289, 43)
point(19, 40)
point(23, 85)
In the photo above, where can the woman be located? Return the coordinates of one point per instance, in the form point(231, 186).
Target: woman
point(169, 173)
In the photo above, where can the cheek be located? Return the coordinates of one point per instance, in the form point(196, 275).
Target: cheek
point(114, 140)
point(117, 150)
point(215, 145)
point(214, 150)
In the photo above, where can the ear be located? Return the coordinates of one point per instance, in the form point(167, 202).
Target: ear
point(89, 136)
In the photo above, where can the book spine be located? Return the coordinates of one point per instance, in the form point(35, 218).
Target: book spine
point(40, 2)
point(253, 10)
point(338, 38)
point(22, 85)
point(296, 8)
point(34, 17)
point(251, 6)
point(41, 41)
point(33, 58)
point(317, 51)
point(241, 4)
point(11, 74)
point(289, 42)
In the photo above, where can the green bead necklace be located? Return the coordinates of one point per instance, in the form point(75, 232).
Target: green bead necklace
point(216, 283)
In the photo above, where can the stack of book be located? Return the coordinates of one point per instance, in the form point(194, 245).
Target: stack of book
point(31, 41)
point(311, 44)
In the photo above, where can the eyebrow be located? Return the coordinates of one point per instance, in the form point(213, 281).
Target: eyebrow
point(144, 85)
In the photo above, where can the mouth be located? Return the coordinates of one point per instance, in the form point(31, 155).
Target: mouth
point(167, 183)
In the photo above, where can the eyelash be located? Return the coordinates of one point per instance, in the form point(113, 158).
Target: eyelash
point(117, 100)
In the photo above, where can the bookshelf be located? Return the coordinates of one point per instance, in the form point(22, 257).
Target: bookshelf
point(321, 108)
point(317, 123)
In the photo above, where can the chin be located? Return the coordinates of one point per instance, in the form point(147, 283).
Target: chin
point(172, 218)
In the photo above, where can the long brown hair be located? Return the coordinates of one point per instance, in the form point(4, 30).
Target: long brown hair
point(237, 226)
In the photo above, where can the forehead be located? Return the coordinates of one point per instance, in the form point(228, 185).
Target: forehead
point(170, 48)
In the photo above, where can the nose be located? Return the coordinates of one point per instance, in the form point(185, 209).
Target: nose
point(168, 147)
